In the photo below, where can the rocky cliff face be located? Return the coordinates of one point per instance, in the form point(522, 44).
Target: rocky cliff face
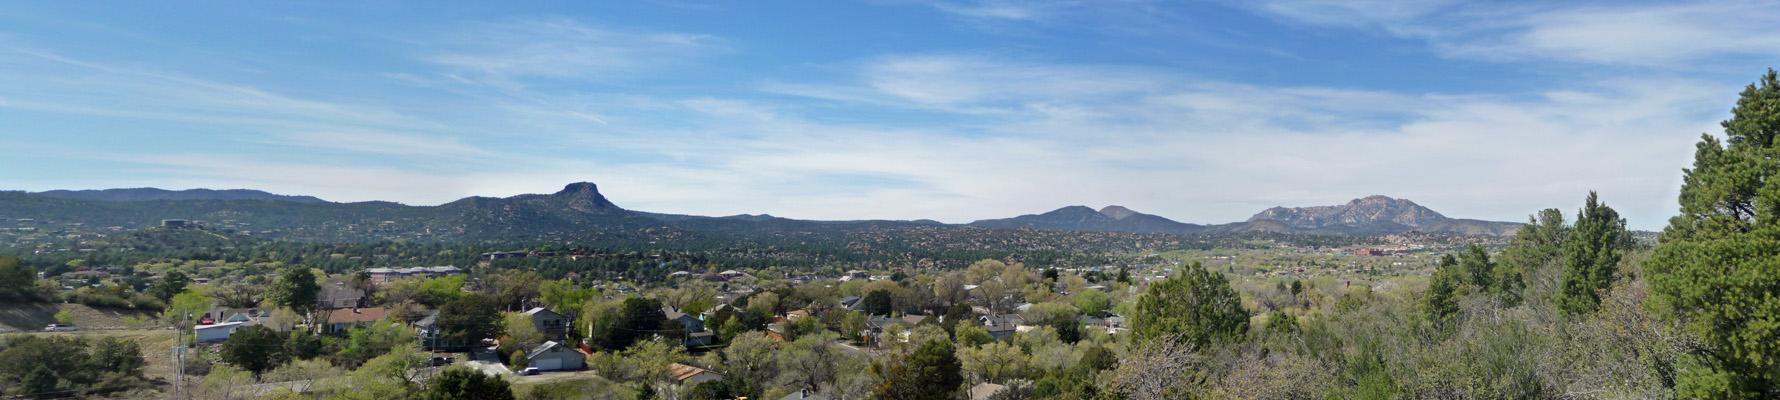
point(1359, 212)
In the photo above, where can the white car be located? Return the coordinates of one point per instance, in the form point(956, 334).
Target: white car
point(60, 328)
point(529, 371)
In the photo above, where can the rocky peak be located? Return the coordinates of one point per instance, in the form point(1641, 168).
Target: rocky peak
point(1361, 211)
point(584, 196)
point(1117, 212)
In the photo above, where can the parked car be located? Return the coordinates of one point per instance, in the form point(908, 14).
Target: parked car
point(60, 328)
point(438, 361)
point(529, 371)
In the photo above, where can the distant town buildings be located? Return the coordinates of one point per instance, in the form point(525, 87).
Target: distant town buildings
point(380, 276)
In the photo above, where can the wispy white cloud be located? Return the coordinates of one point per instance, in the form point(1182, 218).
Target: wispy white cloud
point(510, 52)
point(1206, 151)
point(1665, 34)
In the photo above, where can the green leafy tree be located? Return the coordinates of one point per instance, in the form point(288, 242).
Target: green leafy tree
point(1591, 253)
point(468, 320)
point(1092, 302)
point(1715, 269)
point(254, 348)
point(1535, 249)
point(1197, 306)
point(17, 281)
point(972, 336)
point(41, 383)
point(638, 319)
point(932, 372)
point(958, 314)
point(64, 317)
point(1068, 330)
point(295, 289)
point(1100, 358)
point(1441, 300)
point(171, 284)
point(878, 302)
point(117, 355)
point(184, 308)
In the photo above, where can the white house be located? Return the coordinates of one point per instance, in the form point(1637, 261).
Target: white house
point(216, 332)
point(552, 356)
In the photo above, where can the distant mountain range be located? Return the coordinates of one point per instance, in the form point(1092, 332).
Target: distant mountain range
point(153, 194)
point(1372, 215)
point(579, 211)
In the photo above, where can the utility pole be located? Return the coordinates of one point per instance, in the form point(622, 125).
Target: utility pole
point(179, 349)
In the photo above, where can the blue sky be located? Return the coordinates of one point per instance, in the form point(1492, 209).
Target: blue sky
point(952, 110)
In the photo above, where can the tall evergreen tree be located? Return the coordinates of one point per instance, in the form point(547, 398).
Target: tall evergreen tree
point(1197, 306)
point(1716, 268)
point(1441, 301)
point(1591, 253)
point(295, 289)
point(170, 284)
point(1479, 270)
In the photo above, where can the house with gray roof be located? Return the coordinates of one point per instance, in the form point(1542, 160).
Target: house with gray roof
point(552, 356)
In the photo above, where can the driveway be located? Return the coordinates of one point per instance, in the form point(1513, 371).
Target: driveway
point(547, 376)
point(485, 361)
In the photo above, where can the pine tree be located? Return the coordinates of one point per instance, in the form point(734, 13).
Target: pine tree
point(1479, 270)
point(1716, 269)
point(1441, 301)
point(1591, 253)
point(295, 289)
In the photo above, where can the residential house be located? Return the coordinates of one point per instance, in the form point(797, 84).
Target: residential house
point(850, 303)
point(245, 316)
point(701, 339)
point(1000, 326)
point(731, 274)
point(553, 356)
point(804, 394)
point(548, 322)
point(338, 296)
point(687, 375)
point(341, 320)
point(794, 315)
point(216, 332)
point(691, 323)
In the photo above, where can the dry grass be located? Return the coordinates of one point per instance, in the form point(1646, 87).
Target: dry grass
point(34, 316)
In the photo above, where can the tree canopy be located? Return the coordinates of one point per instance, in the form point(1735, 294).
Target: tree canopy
point(1715, 268)
point(1197, 306)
